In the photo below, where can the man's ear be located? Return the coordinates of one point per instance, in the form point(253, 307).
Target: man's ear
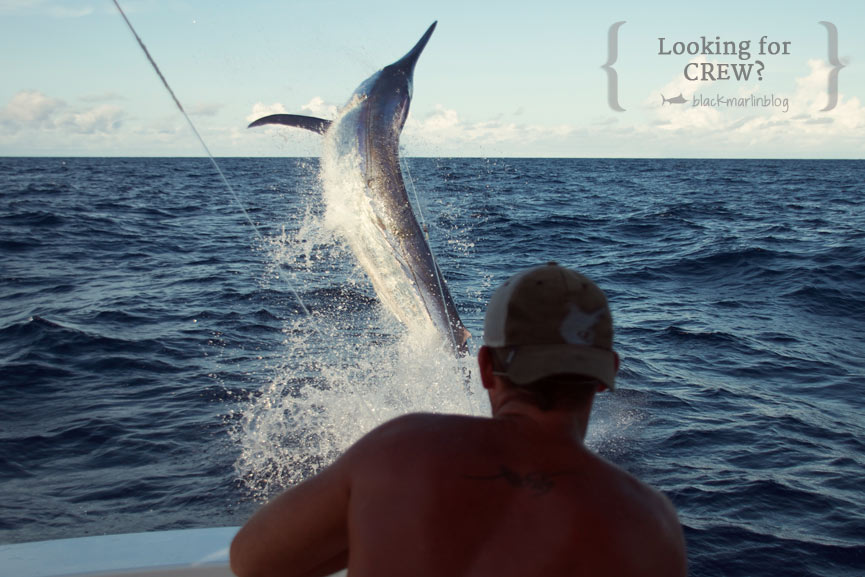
point(485, 362)
point(615, 369)
point(603, 387)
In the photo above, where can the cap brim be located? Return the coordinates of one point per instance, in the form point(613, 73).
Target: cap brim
point(531, 363)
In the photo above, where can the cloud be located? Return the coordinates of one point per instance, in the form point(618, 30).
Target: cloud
point(672, 117)
point(260, 109)
point(811, 98)
point(444, 125)
point(808, 125)
point(318, 107)
point(31, 110)
point(105, 119)
point(754, 117)
point(442, 121)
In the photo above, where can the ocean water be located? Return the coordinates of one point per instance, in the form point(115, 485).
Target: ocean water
point(166, 364)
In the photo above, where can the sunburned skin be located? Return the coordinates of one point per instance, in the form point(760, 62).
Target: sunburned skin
point(537, 482)
point(430, 495)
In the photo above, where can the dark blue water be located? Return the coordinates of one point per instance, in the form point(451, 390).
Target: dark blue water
point(140, 316)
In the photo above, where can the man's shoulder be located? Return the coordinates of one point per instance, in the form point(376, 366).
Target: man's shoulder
point(414, 441)
point(657, 504)
point(650, 512)
point(413, 426)
point(426, 421)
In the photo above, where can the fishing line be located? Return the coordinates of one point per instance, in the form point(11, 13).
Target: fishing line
point(209, 155)
point(466, 373)
point(404, 163)
point(261, 239)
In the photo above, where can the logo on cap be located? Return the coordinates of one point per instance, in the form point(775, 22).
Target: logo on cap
point(578, 327)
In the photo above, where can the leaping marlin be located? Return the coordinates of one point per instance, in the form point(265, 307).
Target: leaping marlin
point(361, 156)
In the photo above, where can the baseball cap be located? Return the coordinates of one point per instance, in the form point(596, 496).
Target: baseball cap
point(551, 320)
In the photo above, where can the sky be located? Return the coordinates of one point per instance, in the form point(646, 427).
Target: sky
point(513, 79)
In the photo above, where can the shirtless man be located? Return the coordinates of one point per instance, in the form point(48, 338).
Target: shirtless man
point(515, 495)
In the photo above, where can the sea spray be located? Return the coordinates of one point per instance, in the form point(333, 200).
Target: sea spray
point(358, 212)
point(349, 365)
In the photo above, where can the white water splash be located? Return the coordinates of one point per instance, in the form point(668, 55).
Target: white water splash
point(361, 218)
point(348, 366)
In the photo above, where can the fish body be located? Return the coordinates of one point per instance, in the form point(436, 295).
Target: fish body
point(366, 191)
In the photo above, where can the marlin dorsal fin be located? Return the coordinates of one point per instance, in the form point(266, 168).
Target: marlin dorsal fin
point(319, 125)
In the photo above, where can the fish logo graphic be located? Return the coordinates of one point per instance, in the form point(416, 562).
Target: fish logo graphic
point(578, 328)
point(674, 100)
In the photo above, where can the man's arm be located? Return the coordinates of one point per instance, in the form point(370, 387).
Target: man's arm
point(672, 557)
point(301, 533)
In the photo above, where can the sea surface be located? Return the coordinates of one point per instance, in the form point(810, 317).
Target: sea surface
point(171, 353)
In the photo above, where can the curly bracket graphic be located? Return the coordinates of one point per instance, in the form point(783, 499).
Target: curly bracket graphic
point(612, 77)
point(832, 87)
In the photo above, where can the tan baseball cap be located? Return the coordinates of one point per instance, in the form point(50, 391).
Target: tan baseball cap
point(550, 320)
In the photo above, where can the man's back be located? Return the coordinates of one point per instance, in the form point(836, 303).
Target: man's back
point(514, 495)
point(447, 495)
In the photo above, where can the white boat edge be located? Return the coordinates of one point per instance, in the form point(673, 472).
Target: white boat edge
point(177, 553)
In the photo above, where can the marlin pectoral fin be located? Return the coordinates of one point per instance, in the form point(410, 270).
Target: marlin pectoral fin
point(319, 125)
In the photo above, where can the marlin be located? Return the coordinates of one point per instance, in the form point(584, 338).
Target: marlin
point(361, 155)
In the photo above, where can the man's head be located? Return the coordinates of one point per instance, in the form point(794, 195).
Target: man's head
point(550, 323)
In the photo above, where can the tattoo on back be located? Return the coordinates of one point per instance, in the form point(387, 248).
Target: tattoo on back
point(537, 482)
